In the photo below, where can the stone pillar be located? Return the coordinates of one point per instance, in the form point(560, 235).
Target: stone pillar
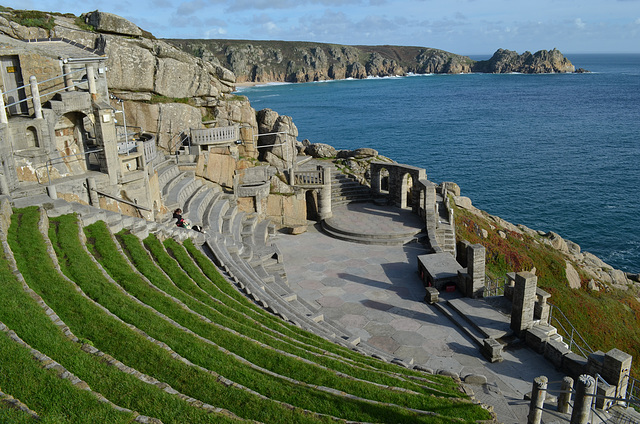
point(375, 179)
point(91, 79)
point(616, 369)
point(324, 196)
point(3, 110)
point(35, 93)
point(107, 140)
point(564, 399)
point(52, 191)
point(93, 196)
point(4, 187)
point(475, 268)
point(538, 395)
point(524, 296)
point(541, 309)
point(585, 388)
point(509, 285)
point(68, 81)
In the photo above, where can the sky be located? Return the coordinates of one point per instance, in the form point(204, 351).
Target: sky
point(469, 27)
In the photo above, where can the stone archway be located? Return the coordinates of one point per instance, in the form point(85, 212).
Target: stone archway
point(30, 140)
point(406, 191)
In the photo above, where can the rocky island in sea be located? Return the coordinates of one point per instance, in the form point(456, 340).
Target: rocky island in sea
point(194, 135)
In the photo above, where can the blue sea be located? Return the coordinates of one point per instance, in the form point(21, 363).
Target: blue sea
point(555, 152)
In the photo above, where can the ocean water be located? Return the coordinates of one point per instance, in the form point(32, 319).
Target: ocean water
point(555, 152)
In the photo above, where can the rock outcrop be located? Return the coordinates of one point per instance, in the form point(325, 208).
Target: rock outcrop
point(278, 145)
point(599, 273)
point(165, 89)
point(110, 23)
point(541, 62)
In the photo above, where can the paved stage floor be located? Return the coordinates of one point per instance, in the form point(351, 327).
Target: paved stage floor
point(375, 293)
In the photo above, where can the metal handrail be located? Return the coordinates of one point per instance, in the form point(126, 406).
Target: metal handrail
point(50, 79)
point(50, 162)
point(41, 95)
point(584, 351)
point(135, 205)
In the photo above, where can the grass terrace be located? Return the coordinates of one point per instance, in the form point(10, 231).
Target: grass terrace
point(158, 331)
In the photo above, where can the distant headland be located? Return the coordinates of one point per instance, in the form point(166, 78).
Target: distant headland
point(293, 61)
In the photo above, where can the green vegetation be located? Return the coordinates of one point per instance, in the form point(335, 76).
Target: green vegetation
point(20, 312)
point(79, 21)
point(157, 98)
point(522, 252)
point(32, 18)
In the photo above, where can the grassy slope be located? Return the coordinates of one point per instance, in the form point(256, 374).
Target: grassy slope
point(584, 308)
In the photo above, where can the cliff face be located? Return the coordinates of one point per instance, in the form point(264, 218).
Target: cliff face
point(164, 88)
point(283, 61)
point(263, 61)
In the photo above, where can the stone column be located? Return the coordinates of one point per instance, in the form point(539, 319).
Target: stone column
point(564, 399)
point(4, 187)
point(616, 369)
point(91, 79)
point(538, 395)
point(107, 140)
point(35, 93)
point(475, 268)
point(375, 179)
point(524, 297)
point(52, 191)
point(93, 196)
point(68, 81)
point(324, 196)
point(3, 110)
point(585, 388)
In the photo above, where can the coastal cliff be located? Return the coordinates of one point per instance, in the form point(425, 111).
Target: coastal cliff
point(285, 61)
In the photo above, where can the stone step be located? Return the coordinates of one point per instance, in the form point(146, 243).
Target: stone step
point(483, 317)
point(384, 240)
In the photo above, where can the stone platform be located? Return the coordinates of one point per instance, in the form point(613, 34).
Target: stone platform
point(368, 223)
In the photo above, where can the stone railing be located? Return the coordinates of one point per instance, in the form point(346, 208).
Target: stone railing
point(215, 135)
point(305, 178)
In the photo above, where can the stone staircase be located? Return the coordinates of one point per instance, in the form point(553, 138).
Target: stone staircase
point(345, 189)
point(445, 234)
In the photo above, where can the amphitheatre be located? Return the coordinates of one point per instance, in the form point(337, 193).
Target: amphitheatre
point(327, 286)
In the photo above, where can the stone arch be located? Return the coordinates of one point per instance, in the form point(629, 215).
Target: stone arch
point(384, 180)
point(406, 191)
point(29, 140)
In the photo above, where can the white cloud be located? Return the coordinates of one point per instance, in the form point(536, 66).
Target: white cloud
point(579, 23)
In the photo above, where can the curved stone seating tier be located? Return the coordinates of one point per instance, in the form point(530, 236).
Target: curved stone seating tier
point(196, 208)
point(220, 205)
point(166, 173)
point(180, 191)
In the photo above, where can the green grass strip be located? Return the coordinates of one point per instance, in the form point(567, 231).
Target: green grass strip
point(196, 276)
point(212, 273)
point(211, 358)
point(54, 399)
point(22, 314)
point(111, 336)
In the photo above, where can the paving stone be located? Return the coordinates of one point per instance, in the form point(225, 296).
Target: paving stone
point(408, 338)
